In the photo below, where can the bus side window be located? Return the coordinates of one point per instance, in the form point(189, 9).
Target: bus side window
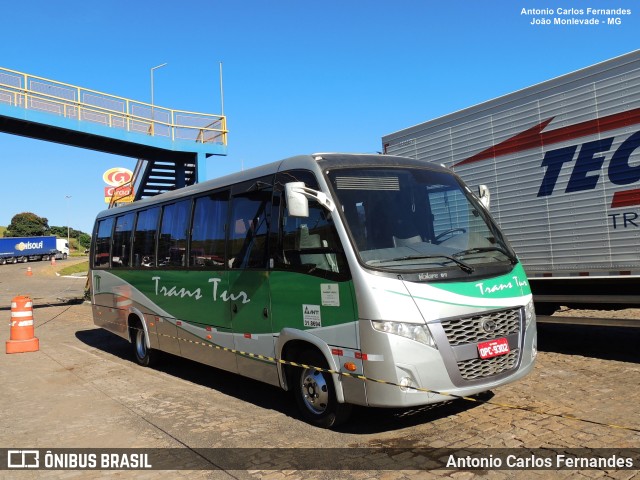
point(102, 246)
point(144, 238)
point(172, 243)
point(121, 252)
point(249, 228)
point(208, 231)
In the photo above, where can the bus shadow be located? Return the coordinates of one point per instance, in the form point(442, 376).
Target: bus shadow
point(363, 420)
point(369, 420)
point(606, 343)
point(243, 388)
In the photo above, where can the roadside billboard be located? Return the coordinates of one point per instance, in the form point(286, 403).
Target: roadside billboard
point(119, 188)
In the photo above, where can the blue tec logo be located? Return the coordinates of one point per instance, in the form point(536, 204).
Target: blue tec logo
point(588, 165)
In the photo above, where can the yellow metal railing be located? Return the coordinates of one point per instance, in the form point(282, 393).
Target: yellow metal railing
point(37, 93)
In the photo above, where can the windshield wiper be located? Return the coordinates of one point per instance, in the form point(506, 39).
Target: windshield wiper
point(463, 266)
point(511, 258)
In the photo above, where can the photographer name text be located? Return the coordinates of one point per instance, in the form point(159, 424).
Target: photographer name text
point(575, 16)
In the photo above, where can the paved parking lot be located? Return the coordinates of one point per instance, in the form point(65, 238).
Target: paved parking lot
point(82, 390)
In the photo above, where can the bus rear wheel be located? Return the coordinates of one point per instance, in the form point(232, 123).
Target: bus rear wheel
point(145, 356)
point(316, 395)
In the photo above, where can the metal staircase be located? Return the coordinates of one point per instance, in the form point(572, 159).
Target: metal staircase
point(162, 176)
point(153, 177)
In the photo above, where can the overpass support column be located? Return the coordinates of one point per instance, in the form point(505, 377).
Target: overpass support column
point(181, 175)
point(201, 167)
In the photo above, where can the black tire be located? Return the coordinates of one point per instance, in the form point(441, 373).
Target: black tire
point(315, 393)
point(147, 357)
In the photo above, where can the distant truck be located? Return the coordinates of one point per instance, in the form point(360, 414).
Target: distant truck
point(63, 248)
point(28, 249)
point(562, 162)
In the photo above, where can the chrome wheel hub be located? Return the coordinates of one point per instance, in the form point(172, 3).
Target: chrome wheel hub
point(315, 391)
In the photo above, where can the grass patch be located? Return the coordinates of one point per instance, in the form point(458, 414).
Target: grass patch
point(81, 267)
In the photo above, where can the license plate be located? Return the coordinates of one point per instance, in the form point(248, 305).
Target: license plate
point(493, 348)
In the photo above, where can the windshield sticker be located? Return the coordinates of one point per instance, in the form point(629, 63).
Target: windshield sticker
point(311, 316)
point(330, 293)
point(433, 276)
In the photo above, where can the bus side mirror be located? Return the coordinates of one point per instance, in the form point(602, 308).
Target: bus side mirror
point(297, 203)
point(484, 195)
point(297, 195)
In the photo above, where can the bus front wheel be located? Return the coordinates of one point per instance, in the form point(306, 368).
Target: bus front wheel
point(315, 393)
point(145, 356)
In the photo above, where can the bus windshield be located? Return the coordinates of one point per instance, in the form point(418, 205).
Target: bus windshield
point(408, 219)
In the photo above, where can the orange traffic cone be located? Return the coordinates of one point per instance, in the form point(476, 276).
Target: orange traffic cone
point(22, 337)
point(29, 272)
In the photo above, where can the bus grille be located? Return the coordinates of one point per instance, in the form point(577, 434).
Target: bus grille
point(461, 331)
point(478, 368)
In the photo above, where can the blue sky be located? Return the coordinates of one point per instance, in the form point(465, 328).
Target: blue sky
point(299, 76)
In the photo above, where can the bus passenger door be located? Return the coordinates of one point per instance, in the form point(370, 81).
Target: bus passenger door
point(311, 287)
point(249, 293)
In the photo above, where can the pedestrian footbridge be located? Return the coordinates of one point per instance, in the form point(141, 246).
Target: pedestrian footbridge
point(171, 145)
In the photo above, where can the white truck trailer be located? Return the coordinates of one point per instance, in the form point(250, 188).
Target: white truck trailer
point(562, 162)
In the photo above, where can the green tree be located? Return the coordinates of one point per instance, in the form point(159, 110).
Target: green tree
point(84, 239)
point(79, 240)
point(27, 224)
point(60, 232)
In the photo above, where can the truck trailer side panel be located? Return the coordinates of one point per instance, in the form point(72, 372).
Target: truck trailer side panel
point(22, 249)
point(562, 162)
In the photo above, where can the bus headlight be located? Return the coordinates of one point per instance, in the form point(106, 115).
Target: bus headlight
point(529, 313)
point(412, 331)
